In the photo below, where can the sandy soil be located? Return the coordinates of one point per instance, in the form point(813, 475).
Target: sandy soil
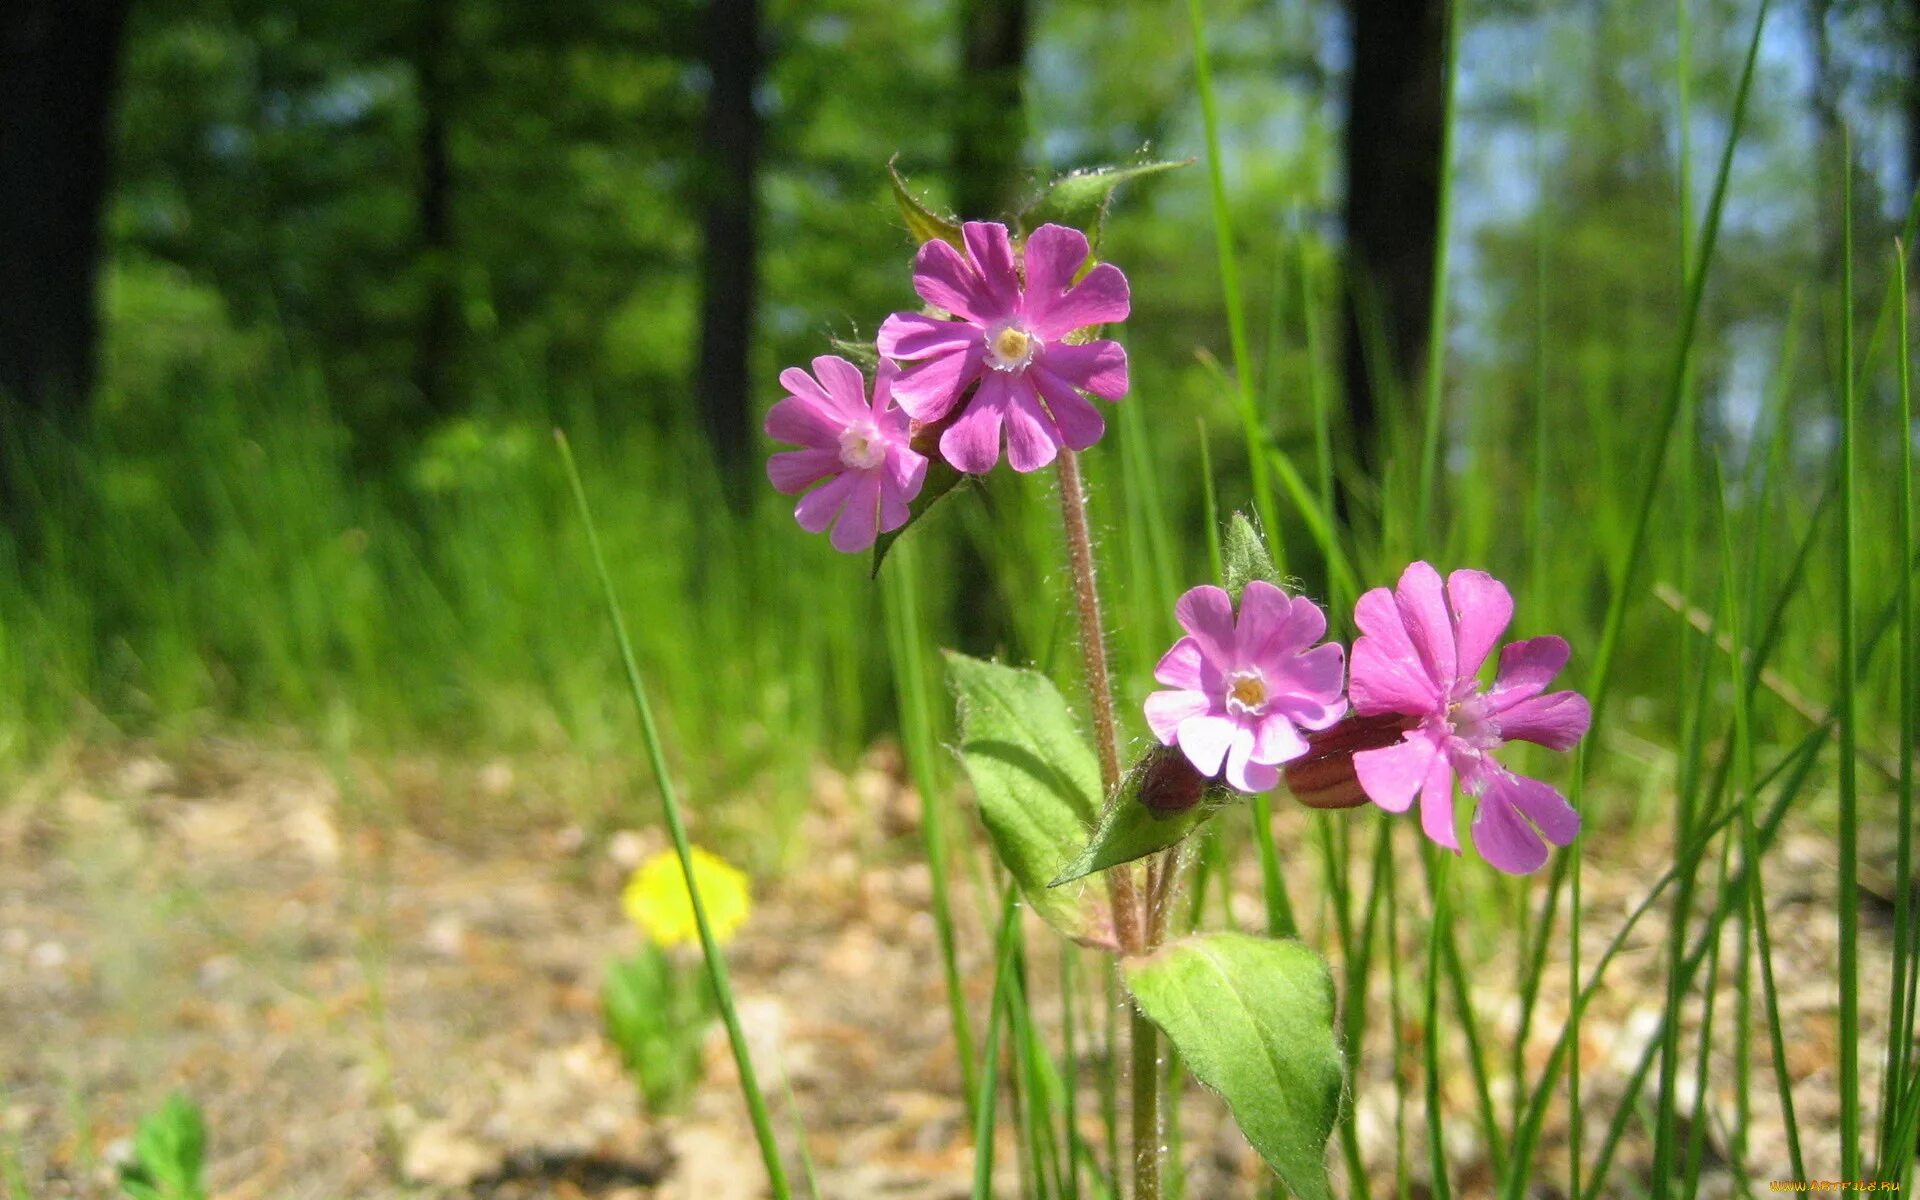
point(365, 1010)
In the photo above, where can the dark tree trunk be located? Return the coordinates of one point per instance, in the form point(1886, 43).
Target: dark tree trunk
point(58, 69)
point(433, 353)
point(1396, 112)
point(990, 123)
point(729, 277)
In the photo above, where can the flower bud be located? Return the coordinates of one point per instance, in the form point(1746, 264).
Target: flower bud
point(1324, 777)
point(1168, 784)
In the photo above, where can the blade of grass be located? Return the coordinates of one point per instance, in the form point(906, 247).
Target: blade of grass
point(676, 828)
point(1250, 424)
point(1430, 1025)
point(1437, 313)
point(1894, 1154)
point(1849, 882)
point(900, 604)
point(987, 1099)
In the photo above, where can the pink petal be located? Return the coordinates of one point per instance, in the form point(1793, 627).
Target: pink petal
point(818, 508)
point(1392, 776)
point(992, 252)
point(1265, 612)
point(916, 335)
point(1541, 804)
point(806, 418)
point(1098, 367)
point(794, 471)
point(1207, 614)
point(1205, 738)
point(1505, 840)
point(946, 280)
point(844, 385)
point(1309, 687)
point(1387, 682)
point(1526, 668)
point(972, 443)
point(1423, 610)
point(800, 384)
point(899, 484)
point(1482, 609)
point(1166, 710)
point(1258, 777)
point(1182, 666)
point(1276, 741)
point(1436, 804)
point(1032, 439)
point(854, 531)
point(906, 472)
point(1098, 299)
point(1054, 254)
point(1239, 751)
point(1079, 422)
point(927, 390)
point(1556, 720)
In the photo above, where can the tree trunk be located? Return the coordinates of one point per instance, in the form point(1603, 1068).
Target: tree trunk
point(1396, 110)
point(729, 277)
point(58, 69)
point(434, 350)
point(990, 122)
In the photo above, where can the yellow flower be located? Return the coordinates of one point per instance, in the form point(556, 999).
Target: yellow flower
point(656, 898)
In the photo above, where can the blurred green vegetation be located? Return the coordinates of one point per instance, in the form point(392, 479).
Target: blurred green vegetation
point(264, 531)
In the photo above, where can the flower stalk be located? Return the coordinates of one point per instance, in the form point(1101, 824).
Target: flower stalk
point(1134, 929)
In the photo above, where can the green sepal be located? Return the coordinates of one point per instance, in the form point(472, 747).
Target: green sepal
point(1244, 557)
point(1160, 802)
point(1036, 781)
point(1252, 1019)
point(923, 224)
point(1080, 199)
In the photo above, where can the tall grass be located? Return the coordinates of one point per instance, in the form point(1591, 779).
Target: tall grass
point(225, 562)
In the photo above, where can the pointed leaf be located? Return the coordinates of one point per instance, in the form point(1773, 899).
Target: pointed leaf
point(1161, 801)
point(1253, 1019)
point(1080, 199)
point(941, 479)
point(923, 224)
point(1245, 557)
point(1037, 783)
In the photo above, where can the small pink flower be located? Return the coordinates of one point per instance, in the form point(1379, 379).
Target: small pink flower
point(1244, 691)
point(1420, 657)
point(860, 450)
point(1013, 313)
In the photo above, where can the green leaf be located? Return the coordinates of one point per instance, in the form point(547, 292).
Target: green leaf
point(923, 224)
point(1080, 199)
point(1246, 557)
point(1253, 1020)
point(941, 479)
point(1161, 801)
point(169, 1148)
point(1037, 783)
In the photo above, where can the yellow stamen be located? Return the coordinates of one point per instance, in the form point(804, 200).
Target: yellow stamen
point(1250, 691)
point(1011, 344)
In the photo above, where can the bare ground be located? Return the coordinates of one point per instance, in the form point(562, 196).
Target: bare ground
point(367, 1010)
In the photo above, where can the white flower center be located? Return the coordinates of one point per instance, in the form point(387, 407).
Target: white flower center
point(1469, 722)
point(861, 448)
point(1009, 348)
point(1246, 693)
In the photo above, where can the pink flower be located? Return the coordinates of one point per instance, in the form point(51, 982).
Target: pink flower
point(1420, 657)
point(860, 450)
point(1014, 312)
point(1244, 691)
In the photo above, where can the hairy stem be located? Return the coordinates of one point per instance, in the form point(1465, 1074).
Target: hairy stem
point(1128, 925)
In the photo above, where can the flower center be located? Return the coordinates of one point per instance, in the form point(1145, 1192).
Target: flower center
point(1468, 721)
point(861, 448)
point(1246, 693)
point(1010, 348)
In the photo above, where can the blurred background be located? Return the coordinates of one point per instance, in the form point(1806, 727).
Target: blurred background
point(293, 295)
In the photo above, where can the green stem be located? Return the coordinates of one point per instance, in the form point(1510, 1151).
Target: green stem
point(677, 829)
